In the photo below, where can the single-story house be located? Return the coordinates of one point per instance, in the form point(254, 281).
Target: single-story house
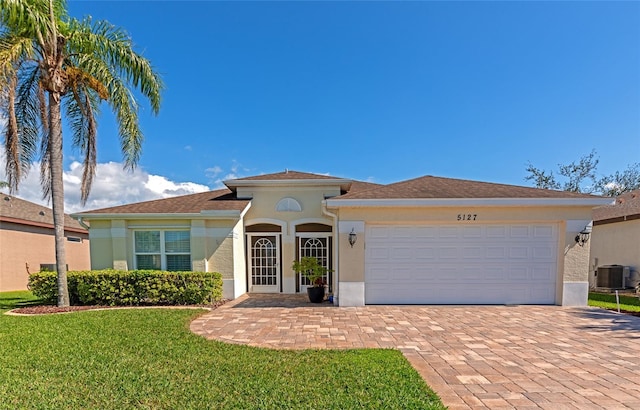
point(27, 242)
point(616, 236)
point(428, 240)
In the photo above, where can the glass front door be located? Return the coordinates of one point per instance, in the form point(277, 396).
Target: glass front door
point(264, 263)
point(317, 247)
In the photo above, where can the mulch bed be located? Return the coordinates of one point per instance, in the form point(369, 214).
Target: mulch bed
point(50, 309)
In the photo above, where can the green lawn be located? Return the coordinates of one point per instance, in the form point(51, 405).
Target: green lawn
point(608, 301)
point(148, 359)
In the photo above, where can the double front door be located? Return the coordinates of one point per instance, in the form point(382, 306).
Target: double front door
point(264, 260)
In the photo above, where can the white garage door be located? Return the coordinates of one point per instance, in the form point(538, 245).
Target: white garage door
point(478, 264)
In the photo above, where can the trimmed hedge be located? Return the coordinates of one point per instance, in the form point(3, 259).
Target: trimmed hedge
point(131, 288)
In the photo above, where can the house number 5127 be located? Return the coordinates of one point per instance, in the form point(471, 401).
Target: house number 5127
point(467, 217)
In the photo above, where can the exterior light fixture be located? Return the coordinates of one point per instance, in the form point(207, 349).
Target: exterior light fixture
point(353, 237)
point(583, 237)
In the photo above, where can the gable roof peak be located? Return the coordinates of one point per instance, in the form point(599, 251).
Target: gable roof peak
point(289, 177)
point(287, 174)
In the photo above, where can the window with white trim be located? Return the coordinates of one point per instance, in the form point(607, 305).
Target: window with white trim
point(163, 250)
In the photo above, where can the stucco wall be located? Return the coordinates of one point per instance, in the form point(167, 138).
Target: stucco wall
point(23, 245)
point(211, 242)
point(450, 214)
point(263, 210)
point(615, 244)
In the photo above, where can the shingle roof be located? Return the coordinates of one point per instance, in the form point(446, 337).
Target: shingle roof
point(18, 210)
point(219, 200)
point(437, 187)
point(423, 187)
point(359, 186)
point(626, 205)
point(286, 175)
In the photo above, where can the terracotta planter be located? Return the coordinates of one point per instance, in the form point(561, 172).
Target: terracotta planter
point(316, 294)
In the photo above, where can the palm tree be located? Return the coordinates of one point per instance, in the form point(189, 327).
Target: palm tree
point(50, 65)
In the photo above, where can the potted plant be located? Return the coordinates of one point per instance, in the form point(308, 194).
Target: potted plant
point(312, 269)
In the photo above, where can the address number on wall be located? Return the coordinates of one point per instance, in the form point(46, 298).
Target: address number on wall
point(467, 217)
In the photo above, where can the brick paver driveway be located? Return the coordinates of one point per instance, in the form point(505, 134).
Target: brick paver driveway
point(472, 356)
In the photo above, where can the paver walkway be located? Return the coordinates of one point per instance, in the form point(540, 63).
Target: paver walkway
point(473, 356)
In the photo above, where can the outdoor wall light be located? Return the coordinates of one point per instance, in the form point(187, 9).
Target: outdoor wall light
point(583, 237)
point(353, 237)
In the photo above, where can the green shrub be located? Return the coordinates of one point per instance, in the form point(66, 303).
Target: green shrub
point(126, 288)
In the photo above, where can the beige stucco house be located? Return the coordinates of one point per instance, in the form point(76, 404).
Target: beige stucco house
point(428, 240)
point(616, 236)
point(27, 242)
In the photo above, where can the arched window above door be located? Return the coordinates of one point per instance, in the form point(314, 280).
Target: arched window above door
point(288, 204)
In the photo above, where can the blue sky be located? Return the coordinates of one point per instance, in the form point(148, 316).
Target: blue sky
point(382, 91)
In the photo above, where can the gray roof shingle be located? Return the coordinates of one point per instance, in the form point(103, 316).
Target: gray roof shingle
point(627, 204)
point(437, 187)
point(219, 200)
point(15, 209)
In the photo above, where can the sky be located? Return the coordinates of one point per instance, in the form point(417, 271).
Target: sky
point(374, 91)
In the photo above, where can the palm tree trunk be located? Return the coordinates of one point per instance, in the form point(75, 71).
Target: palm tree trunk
point(57, 194)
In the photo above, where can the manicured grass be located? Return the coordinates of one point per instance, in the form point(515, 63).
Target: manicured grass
point(20, 298)
point(608, 301)
point(148, 359)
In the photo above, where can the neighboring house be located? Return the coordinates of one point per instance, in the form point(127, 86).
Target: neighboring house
point(424, 241)
point(615, 238)
point(27, 242)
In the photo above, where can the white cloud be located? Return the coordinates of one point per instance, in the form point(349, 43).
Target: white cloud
point(213, 171)
point(217, 175)
point(112, 186)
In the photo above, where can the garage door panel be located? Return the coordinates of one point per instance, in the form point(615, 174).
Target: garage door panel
point(489, 264)
point(473, 252)
point(472, 232)
point(547, 232)
point(378, 232)
point(496, 252)
point(447, 252)
point(448, 233)
point(401, 252)
point(424, 253)
point(496, 232)
point(519, 232)
point(518, 273)
point(378, 252)
point(379, 274)
point(407, 233)
point(518, 252)
point(544, 252)
point(543, 273)
point(426, 232)
point(483, 295)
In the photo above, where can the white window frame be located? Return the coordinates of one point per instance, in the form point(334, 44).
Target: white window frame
point(163, 254)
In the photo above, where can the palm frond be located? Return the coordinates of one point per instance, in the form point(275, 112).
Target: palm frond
point(45, 166)
point(13, 167)
point(14, 50)
point(22, 130)
point(28, 112)
point(33, 18)
point(114, 46)
point(122, 103)
point(81, 109)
